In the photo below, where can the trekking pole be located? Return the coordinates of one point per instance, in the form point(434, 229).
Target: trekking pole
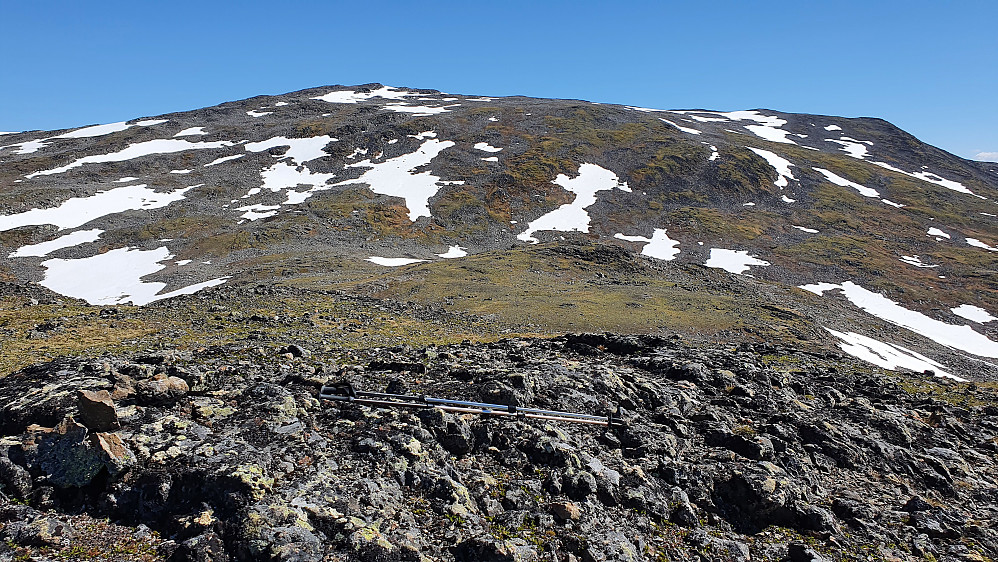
point(345, 392)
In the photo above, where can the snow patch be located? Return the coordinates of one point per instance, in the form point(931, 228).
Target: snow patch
point(218, 161)
point(803, 229)
point(573, 216)
point(937, 233)
point(931, 178)
point(779, 163)
point(67, 241)
point(255, 113)
point(88, 278)
point(838, 180)
point(347, 96)
point(396, 176)
point(392, 262)
point(973, 313)
point(959, 337)
point(659, 246)
point(833, 128)
point(81, 210)
point(855, 148)
point(680, 127)
point(192, 131)
point(299, 150)
point(486, 147)
point(887, 356)
point(916, 261)
point(254, 212)
point(453, 252)
point(137, 150)
point(978, 244)
point(733, 261)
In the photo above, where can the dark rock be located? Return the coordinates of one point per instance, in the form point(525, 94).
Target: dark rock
point(492, 550)
point(798, 552)
point(202, 548)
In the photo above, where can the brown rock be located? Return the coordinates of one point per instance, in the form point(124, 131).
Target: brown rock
point(112, 451)
point(97, 410)
point(162, 389)
point(565, 511)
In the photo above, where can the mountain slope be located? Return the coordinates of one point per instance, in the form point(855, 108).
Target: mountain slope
point(335, 187)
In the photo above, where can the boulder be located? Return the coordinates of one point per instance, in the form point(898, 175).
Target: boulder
point(97, 410)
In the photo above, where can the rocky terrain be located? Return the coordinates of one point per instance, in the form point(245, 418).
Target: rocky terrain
point(794, 313)
point(754, 452)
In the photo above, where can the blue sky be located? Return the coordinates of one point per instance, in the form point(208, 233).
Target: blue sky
point(930, 67)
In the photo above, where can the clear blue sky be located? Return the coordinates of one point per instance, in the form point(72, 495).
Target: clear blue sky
point(930, 67)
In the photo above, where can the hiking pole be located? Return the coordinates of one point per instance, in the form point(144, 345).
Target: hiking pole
point(345, 392)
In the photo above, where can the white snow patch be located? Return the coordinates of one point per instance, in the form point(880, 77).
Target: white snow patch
point(768, 128)
point(680, 127)
point(67, 241)
point(255, 113)
point(733, 261)
point(838, 180)
point(280, 104)
point(392, 262)
point(180, 171)
point(126, 179)
point(486, 147)
point(491, 159)
point(283, 176)
point(887, 356)
point(254, 212)
point(974, 313)
point(88, 278)
point(749, 204)
point(787, 199)
point(805, 229)
point(855, 148)
point(183, 262)
point(931, 178)
point(916, 261)
point(218, 161)
point(453, 252)
point(137, 150)
point(94, 131)
point(937, 233)
point(960, 337)
point(978, 244)
point(573, 216)
point(891, 203)
point(417, 110)
point(395, 177)
point(779, 163)
point(713, 153)
point(81, 210)
point(299, 150)
point(150, 122)
point(705, 119)
point(347, 96)
point(27, 147)
point(833, 128)
point(192, 131)
point(659, 246)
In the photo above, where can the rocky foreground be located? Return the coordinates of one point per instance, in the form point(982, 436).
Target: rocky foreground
point(754, 453)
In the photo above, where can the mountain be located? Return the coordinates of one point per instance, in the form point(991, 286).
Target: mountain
point(795, 310)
